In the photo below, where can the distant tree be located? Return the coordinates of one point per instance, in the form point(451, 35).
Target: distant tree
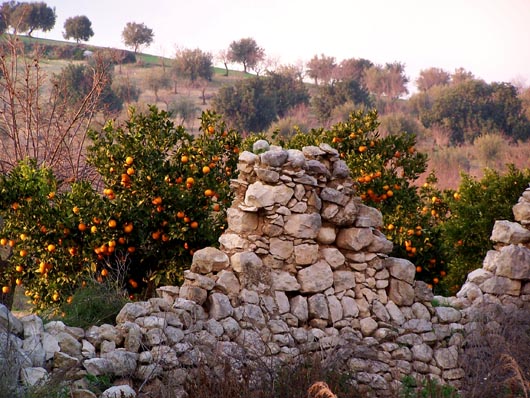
point(388, 81)
point(473, 108)
point(295, 71)
point(461, 75)
point(353, 69)
point(27, 17)
point(157, 81)
point(184, 109)
point(223, 56)
point(524, 96)
point(78, 28)
point(75, 82)
point(126, 91)
point(3, 21)
point(246, 105)
point(194, 64)
point(328, 97)
point(287, 92)
point(136, 35)
point(246, 52)
point(321, 69)
point(431, 77)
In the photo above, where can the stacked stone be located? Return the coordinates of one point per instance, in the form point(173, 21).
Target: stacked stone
point(505, 275)
point(302, 269)
point(304, 263)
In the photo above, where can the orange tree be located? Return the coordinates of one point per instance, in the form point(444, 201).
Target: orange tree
point(474, 208)
point(163, 195)
point(385, 170)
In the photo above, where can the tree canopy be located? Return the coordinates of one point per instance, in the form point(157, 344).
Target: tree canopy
point(78, 28)
point(136, 35)
point(321, 68)
point(27, 17)
point(194, 64)
point(246, 52)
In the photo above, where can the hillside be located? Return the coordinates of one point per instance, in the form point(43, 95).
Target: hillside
point(446, 159)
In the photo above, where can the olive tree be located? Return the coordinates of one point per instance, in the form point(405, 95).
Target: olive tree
point(136, 35)
point(78, 28)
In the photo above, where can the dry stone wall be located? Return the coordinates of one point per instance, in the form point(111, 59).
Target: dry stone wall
point(302, 268)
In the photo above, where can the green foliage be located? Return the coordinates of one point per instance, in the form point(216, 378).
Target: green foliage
point(27, 17)
point(251, 105)
point(328, 97)
point(75, 83)
point(164, 197)
point(427, 388)
point(136, 35)
point(247, 52)
point(473, 107)
point(194, 64)
point(78, 28)
point(474, 209)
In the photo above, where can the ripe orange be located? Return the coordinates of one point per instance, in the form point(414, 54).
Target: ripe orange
point(19, 268)
point(18, 281)
point(51, 195)
point(104, 272)
point(130, 171)
point(129, 160)
point(435, 281)
point(206, 170)
point(23, 236)
point(184, 159)
point(194, 225)
point(5, 289)
point(363, 148)
point(3, 241)
point(23, 253)
point(76, 210)
point(389, 193)
point(128, 227)
point(390, 227)
point(216, 207)
point(190, 180)
point(121, 240)
point(51, 247)
point(55, 296)
point(156, 235)
point(157, 201)
point(72, 251)
point(131, 249)
point(96, 220)
point(133, 283)
point(211, 129)
point(180, 214)
point(93, 229)
point(208, 192)
point(11, 243)
point(112, 223)
point(82, 227)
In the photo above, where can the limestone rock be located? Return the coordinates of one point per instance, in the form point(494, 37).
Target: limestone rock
point(400, 292)
point(354, 239)
point(509, 232)
point(304, 226)
point(500, 285)
point(263, 195)
point(241, 221)
point(209, 259)
point(315, 278)
point(401, 269)
point(514, 262)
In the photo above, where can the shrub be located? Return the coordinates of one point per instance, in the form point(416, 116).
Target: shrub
point(474, 208)
point(163, 196)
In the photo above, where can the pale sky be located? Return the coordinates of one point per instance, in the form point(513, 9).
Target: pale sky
point(490, 38)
